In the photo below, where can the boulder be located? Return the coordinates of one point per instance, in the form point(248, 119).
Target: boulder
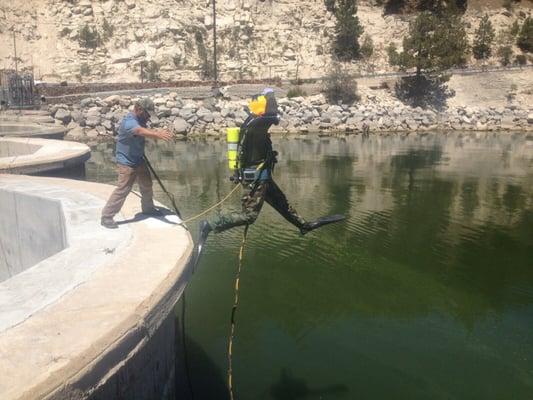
point(112, 100)
point(63, 116)
point(205, 115)
point(92, 133)
point(92, 120)
point(163, 112)
point(75, 134)
point(107, 124)
point(77, 116)
point(86, 102)
point(186, 113)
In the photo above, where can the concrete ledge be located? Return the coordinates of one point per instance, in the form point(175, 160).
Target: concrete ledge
point(35, 116)
point(88, 321)
point(31, 129)
point(30, 156)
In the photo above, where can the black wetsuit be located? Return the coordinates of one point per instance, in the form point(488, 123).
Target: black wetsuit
point(257, 152)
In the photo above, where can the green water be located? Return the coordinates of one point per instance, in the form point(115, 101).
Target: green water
point(424, 292)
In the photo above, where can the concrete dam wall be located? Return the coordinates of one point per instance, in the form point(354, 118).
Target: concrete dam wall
point(32, 229)
point(86, 312)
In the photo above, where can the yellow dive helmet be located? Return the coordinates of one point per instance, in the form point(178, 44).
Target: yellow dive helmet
point(257, 105)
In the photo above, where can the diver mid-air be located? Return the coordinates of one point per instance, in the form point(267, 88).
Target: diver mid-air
point(252, 159)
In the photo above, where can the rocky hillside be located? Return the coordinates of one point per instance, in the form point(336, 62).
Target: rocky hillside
point(256, 38)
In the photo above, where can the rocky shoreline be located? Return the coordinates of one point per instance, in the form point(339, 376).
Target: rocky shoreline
point(97, 118)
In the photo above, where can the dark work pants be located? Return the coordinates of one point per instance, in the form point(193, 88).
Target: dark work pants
point(252, 202)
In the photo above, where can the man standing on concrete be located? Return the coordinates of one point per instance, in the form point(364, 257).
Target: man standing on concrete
point(131, 166)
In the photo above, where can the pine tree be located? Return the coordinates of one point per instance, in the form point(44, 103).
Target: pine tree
point(434, 44)
point(347, 30)
point(525, 37)
point(485, 35)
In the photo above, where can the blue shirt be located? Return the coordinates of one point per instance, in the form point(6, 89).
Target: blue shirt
point(130, 147)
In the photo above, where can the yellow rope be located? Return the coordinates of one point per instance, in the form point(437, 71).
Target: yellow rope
point(212, 207)
point(234, 309)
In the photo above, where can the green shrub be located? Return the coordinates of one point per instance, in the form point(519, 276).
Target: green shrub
point(296, 91)
point(107, 30)
point(525, 37)
point(64, 32)
point(88, 37)
point(392, 52)
point(505, 53)
point(514, 29)
point(85, 69)
point(521, 59)
point(150, 71)
point(339, 86)
point(367, 47)
point(330, 5)
point(509, 4)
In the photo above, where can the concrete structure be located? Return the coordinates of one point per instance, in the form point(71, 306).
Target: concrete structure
point(86, 312)
point(31, 129)
point(30, 156)
point(38, 117)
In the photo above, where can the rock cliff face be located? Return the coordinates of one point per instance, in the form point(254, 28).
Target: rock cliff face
point(256, 38)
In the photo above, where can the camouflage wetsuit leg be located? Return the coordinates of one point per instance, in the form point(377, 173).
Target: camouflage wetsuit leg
point(252, 202)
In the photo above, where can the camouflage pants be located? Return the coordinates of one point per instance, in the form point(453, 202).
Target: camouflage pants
point(252, 202)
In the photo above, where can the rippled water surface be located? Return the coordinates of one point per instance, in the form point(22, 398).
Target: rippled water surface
point(424, 292)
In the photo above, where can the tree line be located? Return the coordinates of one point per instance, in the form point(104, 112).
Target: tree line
point(436, 41)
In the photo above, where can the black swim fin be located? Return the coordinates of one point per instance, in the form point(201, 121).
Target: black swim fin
point(329, 219)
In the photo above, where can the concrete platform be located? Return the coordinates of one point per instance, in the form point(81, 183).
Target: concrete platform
point(35, 116)
point(31, 129)
point(30, 155)
point(86, 312)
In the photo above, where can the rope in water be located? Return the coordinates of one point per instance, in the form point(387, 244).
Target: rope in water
point(212, 207)
point(233, 311)
point(173, 201)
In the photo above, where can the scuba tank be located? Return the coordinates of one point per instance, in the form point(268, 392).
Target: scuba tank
point(233, 136)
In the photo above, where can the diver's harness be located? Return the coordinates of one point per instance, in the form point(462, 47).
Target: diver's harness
point(253, 174)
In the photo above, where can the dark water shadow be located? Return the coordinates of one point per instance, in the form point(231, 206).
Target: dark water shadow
point(207, 380)
point(76, 172)
point(291, 388)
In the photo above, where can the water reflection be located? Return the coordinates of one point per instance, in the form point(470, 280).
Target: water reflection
point(425, 291)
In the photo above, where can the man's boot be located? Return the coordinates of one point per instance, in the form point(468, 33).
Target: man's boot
point(311, 226)
point(109, 223)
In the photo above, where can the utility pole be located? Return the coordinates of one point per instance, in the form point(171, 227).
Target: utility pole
point(15, 47)
point(215, 42)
